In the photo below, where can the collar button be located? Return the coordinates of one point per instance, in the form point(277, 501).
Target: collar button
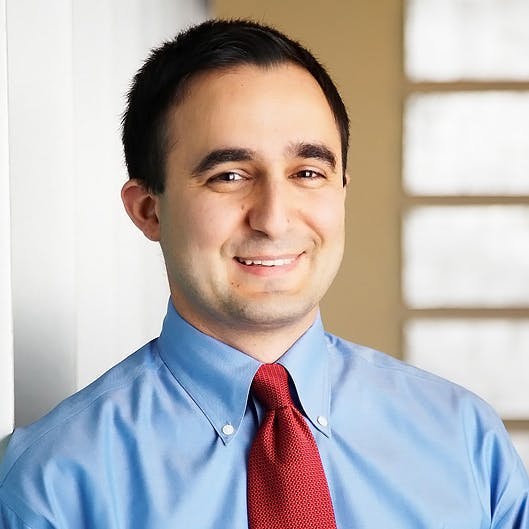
point(228, 429)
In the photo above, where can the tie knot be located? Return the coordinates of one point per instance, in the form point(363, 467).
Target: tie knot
point(270, 386)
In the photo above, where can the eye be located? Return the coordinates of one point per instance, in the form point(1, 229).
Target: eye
point(228, 176)
point(309, 174)
point(228, 181)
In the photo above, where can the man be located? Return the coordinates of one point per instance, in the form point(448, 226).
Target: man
point(236, 141)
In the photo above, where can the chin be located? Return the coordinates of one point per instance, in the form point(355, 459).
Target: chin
point(270, 313)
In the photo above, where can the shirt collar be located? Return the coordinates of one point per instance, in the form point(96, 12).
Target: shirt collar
point(218, 377)
point(307, 364)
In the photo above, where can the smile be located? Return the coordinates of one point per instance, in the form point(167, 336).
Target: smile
point(266, 262)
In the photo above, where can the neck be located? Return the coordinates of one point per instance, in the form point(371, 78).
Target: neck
point(265, 345)
point(264, 342)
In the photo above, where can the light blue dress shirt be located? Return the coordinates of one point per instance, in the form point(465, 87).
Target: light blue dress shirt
point(161, 441)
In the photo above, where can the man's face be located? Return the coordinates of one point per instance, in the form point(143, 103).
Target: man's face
point(252, 216)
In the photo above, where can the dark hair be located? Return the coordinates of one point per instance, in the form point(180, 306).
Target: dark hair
point(212, 45)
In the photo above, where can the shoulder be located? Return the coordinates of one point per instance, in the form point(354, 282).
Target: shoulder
point(349, 355)
point(447, 425)
point(367, 361)
point(68, 449)
point(73, 423)
point(406, 389)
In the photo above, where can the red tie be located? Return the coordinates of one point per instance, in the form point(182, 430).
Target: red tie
point(287, 488)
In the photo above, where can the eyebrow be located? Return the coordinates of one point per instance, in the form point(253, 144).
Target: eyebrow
point(219, 156)
point(317, 151)
point(306, 150)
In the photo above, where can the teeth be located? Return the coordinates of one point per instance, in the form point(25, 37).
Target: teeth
point(266, 262)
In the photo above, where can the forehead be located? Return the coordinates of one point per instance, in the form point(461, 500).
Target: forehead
point(254, 107)
point(245, 73)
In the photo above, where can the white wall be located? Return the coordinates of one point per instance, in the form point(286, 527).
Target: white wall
point(87, 288)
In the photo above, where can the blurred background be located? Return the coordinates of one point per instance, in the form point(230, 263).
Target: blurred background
point(436, 269)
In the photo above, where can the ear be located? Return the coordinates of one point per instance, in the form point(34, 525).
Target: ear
point(346, 180)
point(142, 208)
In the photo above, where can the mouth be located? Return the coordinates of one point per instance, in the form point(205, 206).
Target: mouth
point(279, 267)
point(269, 262)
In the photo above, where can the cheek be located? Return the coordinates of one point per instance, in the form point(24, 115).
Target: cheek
point(327, 218)
point(207, 225)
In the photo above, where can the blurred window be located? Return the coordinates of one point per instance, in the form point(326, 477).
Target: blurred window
point(465, 195)
point(448, 40)
point(466, 351)
point(467, 143)
point(466, 256)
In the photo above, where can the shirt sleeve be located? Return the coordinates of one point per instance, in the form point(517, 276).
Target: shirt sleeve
point(501, 476)
point(512, 508)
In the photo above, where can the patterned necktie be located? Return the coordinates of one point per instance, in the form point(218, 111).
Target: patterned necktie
point(287, 488)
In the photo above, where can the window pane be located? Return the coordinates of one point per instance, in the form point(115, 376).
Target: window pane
point(489, 357)
point(467, 143)
point(466, 256)
point(467, 39)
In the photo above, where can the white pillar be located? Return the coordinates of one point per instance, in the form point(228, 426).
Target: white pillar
point(87, 288)
point(41, 140)
point(6, 329)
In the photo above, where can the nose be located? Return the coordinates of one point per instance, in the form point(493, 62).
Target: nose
point(271, 209)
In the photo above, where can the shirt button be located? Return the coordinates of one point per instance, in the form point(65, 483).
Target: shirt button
point(322, 421)
point(228, 429)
